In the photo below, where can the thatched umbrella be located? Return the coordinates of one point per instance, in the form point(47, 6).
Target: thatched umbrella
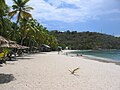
point(22, 47)
point(44, 45)
point(17, 46)
point(5, 45)
point(14, 45)
point(11, 42)
point(3, 40)
point(25, 47)
point(60, 47)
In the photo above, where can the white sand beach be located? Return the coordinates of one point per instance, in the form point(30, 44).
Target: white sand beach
point(50, 71)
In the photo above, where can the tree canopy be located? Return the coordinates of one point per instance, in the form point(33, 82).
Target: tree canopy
point(26, 30)
point(86, 40)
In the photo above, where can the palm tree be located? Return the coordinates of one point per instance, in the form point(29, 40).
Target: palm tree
point(3, 12)
point(2, 4)
point(21, 9)
point(7, 28)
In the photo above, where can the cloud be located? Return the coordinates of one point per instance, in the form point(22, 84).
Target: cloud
point(72, 10)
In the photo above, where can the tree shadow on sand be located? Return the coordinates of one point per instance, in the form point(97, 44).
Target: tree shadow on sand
point(1, 66)
point(6, 78)
point(24, 58)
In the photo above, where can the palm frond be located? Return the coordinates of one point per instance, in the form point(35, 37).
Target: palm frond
point(11, 14)
point(2, 4)
point(15, 7)
point(2, 1)
point(24, 2)
point(15, 2)
point(27, 8)
point(25, 14)
point(20, 2)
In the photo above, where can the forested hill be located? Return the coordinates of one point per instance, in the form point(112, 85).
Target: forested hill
point(86, 40)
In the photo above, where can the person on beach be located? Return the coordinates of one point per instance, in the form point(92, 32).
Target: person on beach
point(79, 55)
point(59, 49)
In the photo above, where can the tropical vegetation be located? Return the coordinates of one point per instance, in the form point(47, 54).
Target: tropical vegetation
point(86, 40)
point(25, 30)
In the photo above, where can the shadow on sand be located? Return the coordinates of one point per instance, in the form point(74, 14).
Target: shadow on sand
point(24, 58)
point(6, 78)
point(1, 66)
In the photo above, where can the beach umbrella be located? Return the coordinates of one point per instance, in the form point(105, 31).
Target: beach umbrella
point(60, 47)
point(9, 45)
point(14, 45)
point(22, 47)
point(5, 45)
point(44, 45)
point(11, 42)
point(3, 40)
point(25, 47)
point(17, 46)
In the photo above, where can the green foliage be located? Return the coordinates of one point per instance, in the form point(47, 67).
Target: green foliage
point(21, 9)
point(26, 31)
point(86, 40)
point(5, 50)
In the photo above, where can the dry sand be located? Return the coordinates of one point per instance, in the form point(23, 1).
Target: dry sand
point(50, 71)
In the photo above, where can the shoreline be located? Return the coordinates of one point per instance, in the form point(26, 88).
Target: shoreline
point(102, 60)
point(90, 57)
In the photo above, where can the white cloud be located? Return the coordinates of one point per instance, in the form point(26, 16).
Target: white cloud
point(87, 9)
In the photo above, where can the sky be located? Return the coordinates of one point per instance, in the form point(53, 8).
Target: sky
point(77, 15)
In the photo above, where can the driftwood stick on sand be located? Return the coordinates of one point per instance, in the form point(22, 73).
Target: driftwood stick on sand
point(73, 71)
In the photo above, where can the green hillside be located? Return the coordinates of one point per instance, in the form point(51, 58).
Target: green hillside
point(86, 40)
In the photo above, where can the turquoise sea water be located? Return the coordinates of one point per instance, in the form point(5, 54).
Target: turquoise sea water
point(107, 54)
